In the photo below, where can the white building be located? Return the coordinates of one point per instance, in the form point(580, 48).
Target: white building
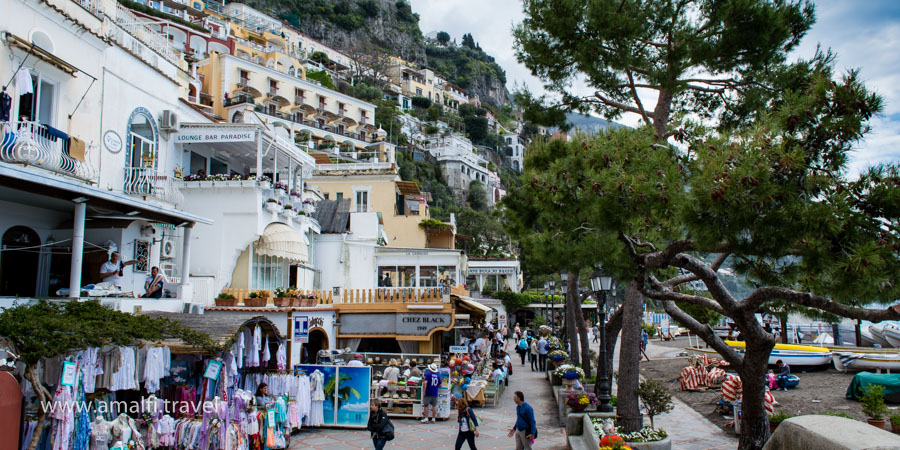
point(515, 150)
point(460, 165)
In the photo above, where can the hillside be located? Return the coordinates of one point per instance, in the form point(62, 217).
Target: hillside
point(470, 68)
point(390, 24)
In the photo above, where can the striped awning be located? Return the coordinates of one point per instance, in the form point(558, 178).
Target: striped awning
point(281, 241)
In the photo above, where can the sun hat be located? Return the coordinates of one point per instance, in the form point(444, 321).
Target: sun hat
point(433, 367)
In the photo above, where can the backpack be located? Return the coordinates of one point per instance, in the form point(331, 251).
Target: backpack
point(387, 429)
point(523, 345)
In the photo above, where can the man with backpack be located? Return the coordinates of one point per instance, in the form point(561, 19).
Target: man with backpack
point(380, 426)
point(522, 349)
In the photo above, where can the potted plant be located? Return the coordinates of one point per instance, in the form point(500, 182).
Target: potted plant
point(569, 374)
point(895, 423)
point(284, 297)
point(580, 400)
point(776, 419)
point(280, 188)
point(273, 205)
point(655, 398)
point(614, 437)
point(872, 402)
point(257, 298)
point(226, 299)
point(289, 210)
point(558, 357)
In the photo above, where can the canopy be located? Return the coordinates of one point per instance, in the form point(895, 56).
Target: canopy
point(220, 327)
point(472, 304)
point(281, 241)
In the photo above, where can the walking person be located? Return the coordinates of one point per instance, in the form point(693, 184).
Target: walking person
point(380, 427)
point(522, 349)
point(525, 429)
point(645, 339)
point(432, 383)
point(468, 424)
point(533, 354)
point(543, 348)
point(596, 332)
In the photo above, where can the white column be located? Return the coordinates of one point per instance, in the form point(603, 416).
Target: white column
point(259, 156)
point(77, 249)
point(186, 291)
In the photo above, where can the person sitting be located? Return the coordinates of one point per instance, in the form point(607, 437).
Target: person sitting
point(357, 361)
point(153, 285)
point(497, 374)
point(112, 270)
point(784, 373)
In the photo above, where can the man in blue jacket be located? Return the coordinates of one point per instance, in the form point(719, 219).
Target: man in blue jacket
point(525, 428)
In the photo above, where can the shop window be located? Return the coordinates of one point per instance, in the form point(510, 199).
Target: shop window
point(198, 163)
point(447, 275)
point(472, 282)
point(387, 276)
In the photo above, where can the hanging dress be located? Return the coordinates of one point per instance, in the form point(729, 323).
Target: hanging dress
point(317, 399)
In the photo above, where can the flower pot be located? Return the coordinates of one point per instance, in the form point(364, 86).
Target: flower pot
point(280, 192)
point(255, 302)
point(296, 302)
point(557, 363)
point(578, 408)
point(272, 207)
point(311, 302)
point(773, 426)
point(877, 423)
point(568, 384)
point(665, 444)
point(895, 428)
point(283, 302)
point(226, 302)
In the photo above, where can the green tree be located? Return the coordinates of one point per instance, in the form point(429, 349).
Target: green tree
point(701, 59)
point(52, 329)
point(369, 8)
point(434, 113)
point(468, 41)
point(476, 128)
point(322, 77)
point(319, 57)
point(477, 196)
point(443, 37)
point(421, 102)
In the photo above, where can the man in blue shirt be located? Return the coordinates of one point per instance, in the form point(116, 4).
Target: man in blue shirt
point(543, 348)
point(431, 382)
point(525, 428)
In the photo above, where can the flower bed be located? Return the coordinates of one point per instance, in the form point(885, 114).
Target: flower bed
point(580, 400)
point(646, 434)
point(569, 372)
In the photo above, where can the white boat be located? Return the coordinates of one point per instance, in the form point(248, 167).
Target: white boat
point(866, 361)
point(878, 335)
point(866, 350)
point(866, 337)
point(792, 355)
point(891, 333)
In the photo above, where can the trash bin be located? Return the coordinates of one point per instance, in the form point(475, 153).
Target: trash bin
point(738, 414)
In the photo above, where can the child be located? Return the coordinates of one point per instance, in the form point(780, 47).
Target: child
point(771, 380)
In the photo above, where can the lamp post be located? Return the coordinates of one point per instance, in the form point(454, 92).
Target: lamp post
point(548, 292)
point(601, 284)
point(565, 326)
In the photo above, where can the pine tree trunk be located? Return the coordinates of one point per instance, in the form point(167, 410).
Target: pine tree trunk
point(571, 310)
point(628, 405)
point(613, 327)
point(784, 328)
point(755, 422)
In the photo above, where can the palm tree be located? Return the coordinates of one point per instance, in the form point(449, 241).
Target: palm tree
point(344, 392)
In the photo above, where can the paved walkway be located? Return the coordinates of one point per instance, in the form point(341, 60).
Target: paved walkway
point(495, 422)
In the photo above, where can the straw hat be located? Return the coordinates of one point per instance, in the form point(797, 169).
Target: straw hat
point(394, 363)
point(433, 367)
point(406, 363)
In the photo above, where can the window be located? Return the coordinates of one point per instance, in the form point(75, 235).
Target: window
point(268, 272)
point(40, 105)
point(362, 201)
point(216, 166)
point(272, 107)
point(428, 276)
point(198, 163)
point(325, 195)
point(142, 138)
point(273, 87)
point(418, 92)
point(339, 196)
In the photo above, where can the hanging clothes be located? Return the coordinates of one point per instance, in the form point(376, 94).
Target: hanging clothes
point(317, 400)
point(124, 378)
point(63, 418)
point(266, 355)
point(24, 83)
point(303, 396)
point(255, 348)
point(5, 106)
point(156, 367)
point(281, 356)
point(91, 367)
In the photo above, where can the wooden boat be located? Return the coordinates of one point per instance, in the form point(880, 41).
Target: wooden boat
point(844, 361)
point(867, 350)
point(790, 354)
point(866, 337)
point(891, 333)
point(878, 336)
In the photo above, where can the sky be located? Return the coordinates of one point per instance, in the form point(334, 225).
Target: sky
point(864, 35)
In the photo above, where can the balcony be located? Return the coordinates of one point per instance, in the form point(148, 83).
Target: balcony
point(147, 183)
point(366, 166)
point(244, 82)
point(34, 144)
point(401, 295)
point(238, 99)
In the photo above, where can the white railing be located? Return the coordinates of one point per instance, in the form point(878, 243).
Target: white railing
point(31, 143)
point(354, 166)
point(147, 183)
point(139, 29)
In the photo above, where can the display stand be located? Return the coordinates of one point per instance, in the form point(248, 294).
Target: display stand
point(412, 405)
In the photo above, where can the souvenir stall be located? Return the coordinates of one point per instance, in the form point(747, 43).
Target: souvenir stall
point(172, 395)
point(401, 393)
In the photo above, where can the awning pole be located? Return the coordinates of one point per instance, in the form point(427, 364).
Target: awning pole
point(186, 292)
point(77, 250)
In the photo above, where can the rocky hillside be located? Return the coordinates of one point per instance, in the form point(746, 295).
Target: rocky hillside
point(390, 24)
point(393, 26)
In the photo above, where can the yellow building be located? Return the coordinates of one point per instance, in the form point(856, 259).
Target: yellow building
point(378, 188)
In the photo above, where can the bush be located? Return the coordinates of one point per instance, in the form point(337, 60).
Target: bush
point(655, 398)
point(837, 414)
point(779, 417)
point(872, 402)
point(895, 419)
point(649, 328)
point(421, 102)
point(369, 8)
point(322, 77)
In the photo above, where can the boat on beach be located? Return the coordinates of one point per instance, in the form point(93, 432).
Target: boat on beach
point(844, 361)
point(878, 336)
point(891, 333)
point(790, 354)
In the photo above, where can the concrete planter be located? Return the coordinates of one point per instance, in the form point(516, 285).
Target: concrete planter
point(665, 444)
point(555, 380)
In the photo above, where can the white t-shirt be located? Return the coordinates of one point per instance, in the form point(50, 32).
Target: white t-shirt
point(497, 374)
point(110, 267)
point(506, 359)
point(355, 363)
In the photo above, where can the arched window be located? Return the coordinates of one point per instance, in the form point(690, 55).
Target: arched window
point(143, 139)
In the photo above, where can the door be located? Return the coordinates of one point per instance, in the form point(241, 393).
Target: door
point(19, 262)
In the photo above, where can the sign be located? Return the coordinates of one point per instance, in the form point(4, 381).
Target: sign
point(301, 328)
point(271, 417)
point(212, 370)
point(491, 270)
point(201, 136)
point(138, 309)
point(459, 349)
point(112, 141)
point(421, 324)
point(316, 322)
point(69, 373)
point(402, 324)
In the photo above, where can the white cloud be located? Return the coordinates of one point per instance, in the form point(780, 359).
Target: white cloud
point(865, 35)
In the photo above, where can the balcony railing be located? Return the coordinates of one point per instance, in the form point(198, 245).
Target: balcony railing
point(147, 183)
point(273, 91)
point(238, 99)
point(33, 144)
point(393, 295)
point(354, 166)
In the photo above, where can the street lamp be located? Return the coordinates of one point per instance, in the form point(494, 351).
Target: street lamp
point(548, 291)
point(565, 327)
point(601, 284)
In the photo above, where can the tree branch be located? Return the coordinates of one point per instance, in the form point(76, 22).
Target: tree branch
point(661, 293)
point(753, 301)
point(614, 104)
point(637, 99)
point(674, 282)
point(706, 333)
point(694, 87)
point(709, 277)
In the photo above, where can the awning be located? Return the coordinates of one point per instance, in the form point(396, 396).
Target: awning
point(222, 328)
point(408, 187)
point(281, 241)
point(15, 41)
point(473, 304)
